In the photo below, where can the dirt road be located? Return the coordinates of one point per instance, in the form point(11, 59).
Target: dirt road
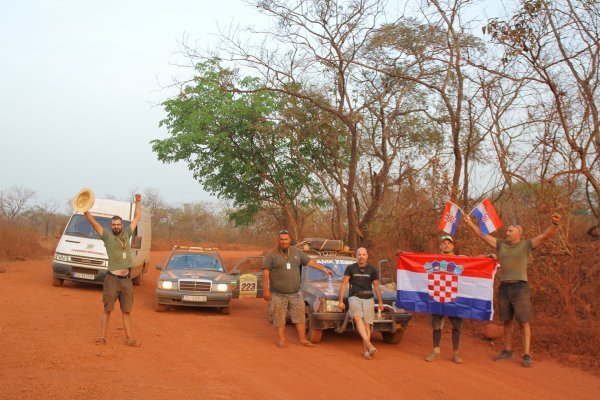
point(47, 351)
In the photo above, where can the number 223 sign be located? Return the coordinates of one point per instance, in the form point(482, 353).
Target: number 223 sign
point(248, 286)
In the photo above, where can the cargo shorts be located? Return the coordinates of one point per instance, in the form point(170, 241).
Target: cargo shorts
point(364, 308)
point(282, 302)
point(514, 301)
point(117, 288)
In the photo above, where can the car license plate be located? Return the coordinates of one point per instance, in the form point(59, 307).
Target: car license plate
point(83, 276)
point(198, 299)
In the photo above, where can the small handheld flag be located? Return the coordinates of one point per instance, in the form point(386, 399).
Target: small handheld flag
point(450, 218)
point(489, 221)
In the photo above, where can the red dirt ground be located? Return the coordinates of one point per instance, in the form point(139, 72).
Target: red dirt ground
point(47, 351)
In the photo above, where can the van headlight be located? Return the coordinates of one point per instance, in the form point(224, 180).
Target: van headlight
point(222, 287)
point(61, 257)
point(168, 285)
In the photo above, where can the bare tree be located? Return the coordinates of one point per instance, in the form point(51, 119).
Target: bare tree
point(46, 213)
point(310, 56)
point(14, 201)
point(553, 47)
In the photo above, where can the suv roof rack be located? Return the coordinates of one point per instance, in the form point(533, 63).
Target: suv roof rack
point(178, 247)
point(324, 247)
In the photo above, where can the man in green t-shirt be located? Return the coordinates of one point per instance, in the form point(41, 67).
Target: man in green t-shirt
point(281, 286)
point(513, 294)
point(117, 282)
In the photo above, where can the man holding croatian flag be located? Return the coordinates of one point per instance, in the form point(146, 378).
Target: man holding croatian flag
point(437, 320)
point(513, 253)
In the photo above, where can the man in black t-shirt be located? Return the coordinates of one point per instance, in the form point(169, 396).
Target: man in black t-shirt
point(362, 278)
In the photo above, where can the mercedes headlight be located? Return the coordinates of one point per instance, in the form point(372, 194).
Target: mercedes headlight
point(168, 285)
point(222, 287)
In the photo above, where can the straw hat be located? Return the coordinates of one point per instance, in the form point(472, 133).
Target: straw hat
point(84, 200)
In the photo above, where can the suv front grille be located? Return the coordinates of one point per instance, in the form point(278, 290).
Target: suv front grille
point(86, 261)
point(195, 286)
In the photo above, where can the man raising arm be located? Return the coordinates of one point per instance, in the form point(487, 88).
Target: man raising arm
point(513, 295)
point(117, 282)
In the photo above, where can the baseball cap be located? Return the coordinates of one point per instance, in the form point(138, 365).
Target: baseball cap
point(447, 238)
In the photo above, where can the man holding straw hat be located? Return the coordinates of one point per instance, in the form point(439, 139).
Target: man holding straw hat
point(117, 283)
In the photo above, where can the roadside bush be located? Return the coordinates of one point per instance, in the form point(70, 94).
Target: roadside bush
point(18, 243)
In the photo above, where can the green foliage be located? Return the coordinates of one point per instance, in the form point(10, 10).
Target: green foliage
point(233, 142)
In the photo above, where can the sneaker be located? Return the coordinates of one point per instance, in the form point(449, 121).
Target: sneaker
point(504, 354)
point(527, 361)
point(433, 356)
point(457, 358)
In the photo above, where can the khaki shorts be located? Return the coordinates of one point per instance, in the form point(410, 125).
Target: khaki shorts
point(117, 288)
point(364, 308)
point(280, 304)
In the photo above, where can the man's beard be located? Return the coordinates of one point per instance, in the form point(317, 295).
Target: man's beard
point(116, 231)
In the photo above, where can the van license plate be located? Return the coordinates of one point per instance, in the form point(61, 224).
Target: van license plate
point(83, 276)
point(198, 299)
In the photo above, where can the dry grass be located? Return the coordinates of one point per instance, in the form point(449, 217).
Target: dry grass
point(18, 243)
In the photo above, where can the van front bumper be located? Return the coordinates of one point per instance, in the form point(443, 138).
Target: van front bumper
point(78, 273)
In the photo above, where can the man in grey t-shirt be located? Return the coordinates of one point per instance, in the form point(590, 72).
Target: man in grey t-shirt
point(281, 286)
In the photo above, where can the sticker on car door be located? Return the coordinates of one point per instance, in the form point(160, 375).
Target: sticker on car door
point(248, 286)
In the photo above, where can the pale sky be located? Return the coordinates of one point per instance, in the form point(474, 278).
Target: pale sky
point(79, 84)
point(80, 81)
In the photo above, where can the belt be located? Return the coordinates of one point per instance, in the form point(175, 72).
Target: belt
point(365, 295)
point(119, 276)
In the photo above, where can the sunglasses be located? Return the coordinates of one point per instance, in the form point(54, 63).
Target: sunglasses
point(284, 232)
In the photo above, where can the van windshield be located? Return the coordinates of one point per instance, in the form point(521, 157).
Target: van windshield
point(80, 226)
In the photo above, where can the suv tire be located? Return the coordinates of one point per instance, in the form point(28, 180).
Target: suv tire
point(312, 334)
point(160, 307)
point(393, 338)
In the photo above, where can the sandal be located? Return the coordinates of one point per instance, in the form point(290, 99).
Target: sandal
point(372, 351)
point(101, 340)
point(133, 343)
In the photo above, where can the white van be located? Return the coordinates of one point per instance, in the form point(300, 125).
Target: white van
point(80, 255)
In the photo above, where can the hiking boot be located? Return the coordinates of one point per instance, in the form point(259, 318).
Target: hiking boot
point(527, 361)
point(457, 358)
point(433, 356)
point(504, 354)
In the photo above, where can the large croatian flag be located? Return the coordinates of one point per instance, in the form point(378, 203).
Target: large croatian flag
point(450, 218)
point(489, 221)
point(457, 286)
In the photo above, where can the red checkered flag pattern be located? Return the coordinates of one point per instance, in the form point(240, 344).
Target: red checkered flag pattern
point(442, 288)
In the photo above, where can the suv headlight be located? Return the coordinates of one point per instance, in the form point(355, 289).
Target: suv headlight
point(168, 285)
point(221, 287)
point(328, 305)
